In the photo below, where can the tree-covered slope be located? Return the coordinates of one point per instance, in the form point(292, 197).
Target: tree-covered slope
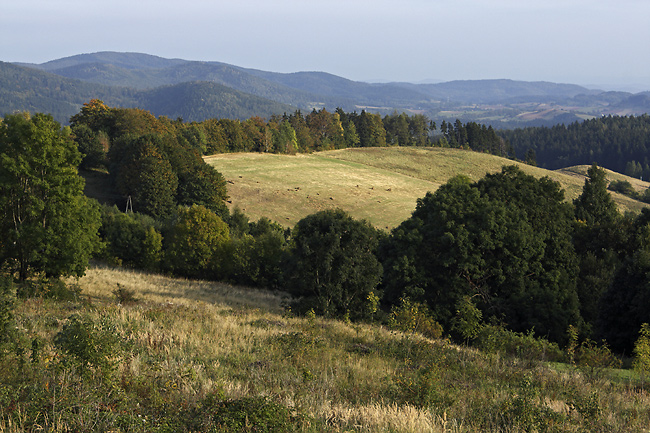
point(620, 143)
point(501, 103)
point(25, 89)
point(33, 90)
point(198, 101)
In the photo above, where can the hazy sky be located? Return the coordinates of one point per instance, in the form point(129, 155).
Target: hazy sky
point(604, 42)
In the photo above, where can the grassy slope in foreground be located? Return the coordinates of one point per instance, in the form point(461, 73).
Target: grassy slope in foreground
point(377, 184)
point(189, 338)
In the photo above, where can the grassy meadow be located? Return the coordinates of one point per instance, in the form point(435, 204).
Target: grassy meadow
point(185, 353)
point(380, 185)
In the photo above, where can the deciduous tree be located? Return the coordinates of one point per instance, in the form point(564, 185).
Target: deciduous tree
point(48, 226)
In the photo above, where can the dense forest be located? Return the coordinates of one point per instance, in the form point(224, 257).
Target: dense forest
point(619, 143)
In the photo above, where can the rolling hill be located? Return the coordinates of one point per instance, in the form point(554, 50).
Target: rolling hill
point(118, 79)
point(377, 184)
point(27, 89)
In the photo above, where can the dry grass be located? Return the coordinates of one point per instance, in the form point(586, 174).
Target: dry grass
point(189, 339)
point(377, 184)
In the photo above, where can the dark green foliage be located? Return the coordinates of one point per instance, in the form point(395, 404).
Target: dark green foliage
point(203, 185)
point(91, 145)
point(333, 267)
point(46, 223)
point(467, 322)
point(131, 239)
point(618, 143)
point(624, 187)
point(252, 414)
point(196, 244)
point(146, 176)
point(625, 304)
point(154, 161)
point(480, 138)
point(497, 339)
point(370, 129)
point(595, 205)
point(505, 239)
point(7, 299)
point(256, 256)
point(89, 346)
point(600, 238)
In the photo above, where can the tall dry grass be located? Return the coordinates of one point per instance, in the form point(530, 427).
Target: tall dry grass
point(185, 340)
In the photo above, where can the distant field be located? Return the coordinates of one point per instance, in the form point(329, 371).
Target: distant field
point(377, 184)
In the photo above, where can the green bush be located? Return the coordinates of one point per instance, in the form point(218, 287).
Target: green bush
point(497, 339)
point(411, 316)
point(87, 345)
point(124, 296)
point(253, 414)
point(642, 352)
point(7, 295)
point(48, 288)
point(131, 239)
point(624, 187)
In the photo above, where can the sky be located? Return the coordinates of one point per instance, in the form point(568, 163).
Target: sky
point(601, 43)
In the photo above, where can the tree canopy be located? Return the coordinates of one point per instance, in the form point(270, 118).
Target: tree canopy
point(334, 266)
point(505, 240)
point(48, 226)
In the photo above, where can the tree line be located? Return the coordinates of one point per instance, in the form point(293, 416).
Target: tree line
point(97, 126)
point(508, 246)
point(619, 143)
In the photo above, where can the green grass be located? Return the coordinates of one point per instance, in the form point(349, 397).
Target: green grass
point(377, 184)
point(205, 356)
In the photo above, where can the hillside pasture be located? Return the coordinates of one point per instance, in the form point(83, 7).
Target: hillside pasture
point(381, 185)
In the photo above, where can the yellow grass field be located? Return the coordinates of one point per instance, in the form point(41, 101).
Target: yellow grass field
point(380, 185)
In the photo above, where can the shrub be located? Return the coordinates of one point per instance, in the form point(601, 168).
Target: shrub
point(48, 288)
point(196, 241)
point(258, 414)
point(124, 296)
point(6, 311)
point(131, 238)
point(497, 339)
point(466, 324)
point(411, 316)
point(593, 359)
point(642, 352)
point(624, 187)
point(87, 345)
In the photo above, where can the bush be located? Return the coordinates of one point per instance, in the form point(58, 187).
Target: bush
point(642, 352)
point(131, 238)
point(497, 339)
point(411, 316)
point(48, 288)
point(196, 242)
point(623, 187)
point(6, 311)
point(248, 414)
point(124, 296)
point(87, 345)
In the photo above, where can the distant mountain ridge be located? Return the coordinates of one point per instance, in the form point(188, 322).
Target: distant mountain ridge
point(165, 86)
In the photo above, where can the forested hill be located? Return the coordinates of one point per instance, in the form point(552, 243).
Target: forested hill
point(619, 143)
point(33, 90)
point(501, 103)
